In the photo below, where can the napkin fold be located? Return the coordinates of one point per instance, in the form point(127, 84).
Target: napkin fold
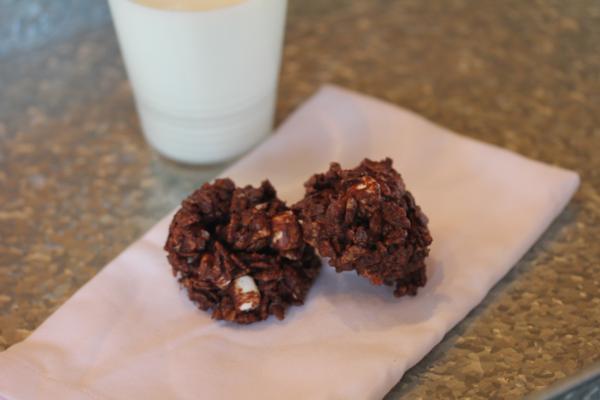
point(131, 333)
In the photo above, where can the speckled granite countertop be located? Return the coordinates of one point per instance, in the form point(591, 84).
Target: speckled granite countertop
point(78, 184)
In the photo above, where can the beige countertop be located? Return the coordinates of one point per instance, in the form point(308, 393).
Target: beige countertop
point(78, 183)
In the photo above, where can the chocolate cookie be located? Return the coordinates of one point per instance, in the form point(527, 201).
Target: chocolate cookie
point(365, 219)
point(240, 252)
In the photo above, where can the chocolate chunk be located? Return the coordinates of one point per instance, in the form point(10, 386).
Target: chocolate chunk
point(240, 252)
point(364, 219)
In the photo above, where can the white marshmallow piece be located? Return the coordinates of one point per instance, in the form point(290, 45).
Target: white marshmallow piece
point(246, 293)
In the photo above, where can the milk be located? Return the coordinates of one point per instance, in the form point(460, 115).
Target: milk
point(188, 5)
point(204, 73)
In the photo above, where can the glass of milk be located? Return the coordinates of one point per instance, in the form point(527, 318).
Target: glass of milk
point(204, 72)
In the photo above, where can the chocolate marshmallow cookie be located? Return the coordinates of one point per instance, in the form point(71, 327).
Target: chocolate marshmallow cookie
point(240, 252)
point(364, 219)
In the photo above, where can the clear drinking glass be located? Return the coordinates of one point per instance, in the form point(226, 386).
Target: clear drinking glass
point(204, 72)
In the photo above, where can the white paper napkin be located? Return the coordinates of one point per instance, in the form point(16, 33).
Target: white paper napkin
point(131, 333)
